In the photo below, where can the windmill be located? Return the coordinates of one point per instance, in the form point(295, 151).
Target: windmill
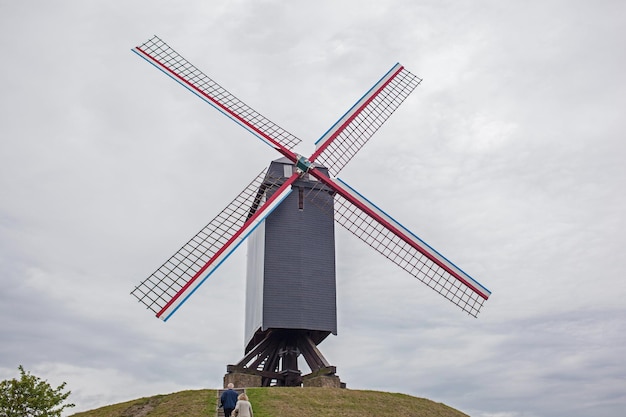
point(287, 214)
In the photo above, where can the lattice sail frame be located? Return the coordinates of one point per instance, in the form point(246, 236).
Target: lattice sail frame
point(398, 244)
point(162, 56)
point(167, 288)
point(348, 135)
point(188, 268)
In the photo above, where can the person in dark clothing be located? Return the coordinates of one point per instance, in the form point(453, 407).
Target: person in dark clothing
point(228, 399)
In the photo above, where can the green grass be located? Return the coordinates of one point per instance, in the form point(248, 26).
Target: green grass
point(184, 403)
point(282, 402)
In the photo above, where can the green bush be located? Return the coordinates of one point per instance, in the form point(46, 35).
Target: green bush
point(31, 397)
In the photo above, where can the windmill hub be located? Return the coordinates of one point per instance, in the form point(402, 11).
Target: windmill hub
point(303, 165)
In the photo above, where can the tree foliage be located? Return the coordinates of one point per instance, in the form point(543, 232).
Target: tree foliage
point(31, 397)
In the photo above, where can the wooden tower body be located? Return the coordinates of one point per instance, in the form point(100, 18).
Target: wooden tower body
point(291, 263)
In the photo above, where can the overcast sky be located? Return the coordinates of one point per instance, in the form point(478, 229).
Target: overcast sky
point(508, 159)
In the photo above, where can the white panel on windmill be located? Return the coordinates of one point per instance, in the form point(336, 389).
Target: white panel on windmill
point(254, 282)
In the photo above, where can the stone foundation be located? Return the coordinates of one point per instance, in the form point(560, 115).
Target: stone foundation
point(324, 381)
point(241, 380)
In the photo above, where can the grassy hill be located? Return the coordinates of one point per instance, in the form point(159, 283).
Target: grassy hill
point(282, 402)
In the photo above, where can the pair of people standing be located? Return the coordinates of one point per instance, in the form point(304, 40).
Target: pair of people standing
point(235, 405)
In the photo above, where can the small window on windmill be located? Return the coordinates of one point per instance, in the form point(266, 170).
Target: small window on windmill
point(288, 170)
point(300, 198)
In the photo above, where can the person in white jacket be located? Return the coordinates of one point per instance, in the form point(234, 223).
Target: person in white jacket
point(243, 407)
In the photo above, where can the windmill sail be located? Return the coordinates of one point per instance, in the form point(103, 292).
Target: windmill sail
point(380, 231)
point(165, 290)
point(348, 135)
point(159, 54)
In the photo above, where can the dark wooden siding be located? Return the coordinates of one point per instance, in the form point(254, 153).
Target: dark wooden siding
point(299, 288)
